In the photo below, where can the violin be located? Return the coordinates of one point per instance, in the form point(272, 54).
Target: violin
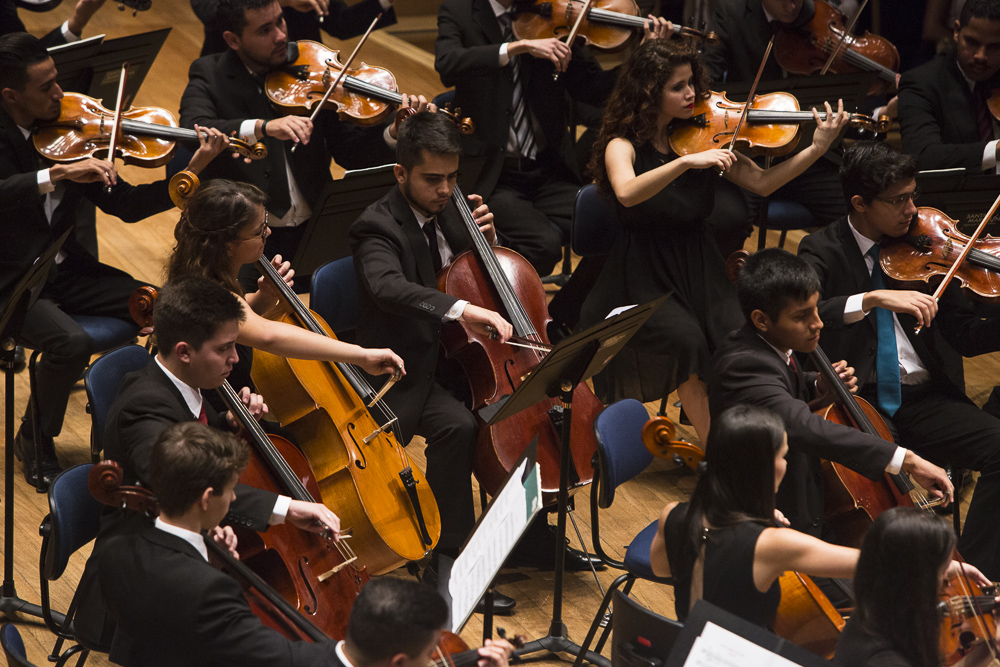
point(358, 461)
point(452, 651)
point(773, 125)
point(807, 50)
point(369, 93)
point(148, 137)
point(105, 484)
point(967, 618)
point(607, 26)
point(929, 250)
point(501, 280)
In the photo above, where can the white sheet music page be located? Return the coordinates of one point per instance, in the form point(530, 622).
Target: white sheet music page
point(718, 647)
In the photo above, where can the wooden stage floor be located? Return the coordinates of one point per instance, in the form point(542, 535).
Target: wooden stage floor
point(142, 248)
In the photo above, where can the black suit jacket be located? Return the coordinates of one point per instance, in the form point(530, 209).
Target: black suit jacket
point(743, 33)
point(11, 22)
point(937, 116)
point(748, 370)
point(342, 21)
point(467, 56)
point(173, 608)
point(401, 306)
point(146, 404)
point(221, 93)
point(834, 254)
point(26, 232)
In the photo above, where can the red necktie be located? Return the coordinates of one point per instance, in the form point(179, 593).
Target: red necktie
point(203, 416)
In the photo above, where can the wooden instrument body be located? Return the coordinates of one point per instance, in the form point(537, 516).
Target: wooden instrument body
point(83, 130)
point(359, 482)
point(806, 617)
point(298, 87)
point(659, 435)
point(293, 560)
point(534, 21)
point(714, 122)
point(932, 245)
point(495, 370)
point(969, 623)
point(806, 50)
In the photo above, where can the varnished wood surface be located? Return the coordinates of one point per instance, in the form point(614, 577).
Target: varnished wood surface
point(141, 249)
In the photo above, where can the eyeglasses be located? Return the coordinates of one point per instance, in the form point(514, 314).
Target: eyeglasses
point(901, 199)
point(263, 232)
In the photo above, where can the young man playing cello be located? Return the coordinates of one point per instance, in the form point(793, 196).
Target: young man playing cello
point(916, 381)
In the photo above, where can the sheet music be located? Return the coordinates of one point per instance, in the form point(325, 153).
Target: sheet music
point(492, 542)
point(718, 647)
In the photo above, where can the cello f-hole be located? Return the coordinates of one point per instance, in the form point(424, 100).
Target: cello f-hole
point(309, 609)
point(506, 369)
point(363, 463)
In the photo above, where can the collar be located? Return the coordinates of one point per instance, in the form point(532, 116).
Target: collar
point(191, 537)
point(497, 8)
point(422, 219)
point(342, 654)
point(192, 397)
point(26, 133)
point(770, 19)
point(786, 355)
point(864, 243)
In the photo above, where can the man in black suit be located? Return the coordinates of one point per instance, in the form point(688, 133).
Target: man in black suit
point(872, 324)
point(39, 205)
point(70, 31)
point(225, 91)
point(304, 19)
point(943, 115)
point(757, 365)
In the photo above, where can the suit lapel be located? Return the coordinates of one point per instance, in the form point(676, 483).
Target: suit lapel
point(401, 212)
point(483, 16)
point(155, 372)
point(245, 86)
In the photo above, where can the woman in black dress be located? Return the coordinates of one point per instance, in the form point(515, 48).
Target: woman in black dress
point(896, 621)
point(663, 244)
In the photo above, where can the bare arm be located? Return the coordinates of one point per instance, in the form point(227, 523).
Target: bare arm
point(631, 189)
point(782, 549)
point(658, 550)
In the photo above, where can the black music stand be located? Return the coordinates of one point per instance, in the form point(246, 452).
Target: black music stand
point(962, 194)
point(11, 323)
point(571, 362)
point(339, 205)
point(811, 91)
point(73, 63)
point(96, 73)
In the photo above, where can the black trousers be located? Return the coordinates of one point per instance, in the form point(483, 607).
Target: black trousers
point(944, 426)
point(450, 431)
point(81, 286)
point(818, 188)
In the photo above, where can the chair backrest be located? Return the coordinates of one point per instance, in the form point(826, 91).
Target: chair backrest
point(595, 223)
point(13, 646)
point(74, 519)
point(105, 377)
point(334, 294)
point(640, 637)
point(620, 452)
point(447, 97)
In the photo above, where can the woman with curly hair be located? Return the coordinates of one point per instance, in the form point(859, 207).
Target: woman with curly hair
point(663, 245)
point(223, 227)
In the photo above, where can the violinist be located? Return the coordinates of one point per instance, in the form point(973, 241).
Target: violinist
point(943, 114)
point(761, 364)
point(906, 556)
point(916, 381)
point(663, 244)
point(40, 203)
point(304, 19)
point(225, 91)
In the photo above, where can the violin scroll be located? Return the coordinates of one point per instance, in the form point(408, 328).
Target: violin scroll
point(709, 37)
point(182, 185)
point(140, 305)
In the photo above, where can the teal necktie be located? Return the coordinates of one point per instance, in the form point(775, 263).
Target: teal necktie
point(887, 356)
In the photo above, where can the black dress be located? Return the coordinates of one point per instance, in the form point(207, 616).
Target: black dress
point(727, 579)
point(857, 648)
point(664, 245)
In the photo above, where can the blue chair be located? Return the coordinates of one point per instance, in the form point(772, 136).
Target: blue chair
point(13, 647)
point(334, 294)
point(595, 223)
point(74, 519)
point(782, 215)
point(620, 457)
point(102, 381)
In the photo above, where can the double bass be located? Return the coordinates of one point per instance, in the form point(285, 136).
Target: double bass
point(501, 280)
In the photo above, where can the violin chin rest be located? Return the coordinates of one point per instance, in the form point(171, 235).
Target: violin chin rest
point(293, 52)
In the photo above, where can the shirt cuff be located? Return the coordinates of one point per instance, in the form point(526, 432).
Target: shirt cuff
point(455, 311)
point(386, 4)
point(990, 156)
point(896, 464)
point(854, 309)
point(67, 33)
point(45, 184)
point(280, 510)
point(389, 141)
point(504, 56)
point(248, 129)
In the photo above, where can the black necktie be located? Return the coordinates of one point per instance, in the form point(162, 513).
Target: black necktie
point(430, 231)
point(984, 122)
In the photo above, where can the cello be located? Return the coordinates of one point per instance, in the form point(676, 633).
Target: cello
point(360, 466)
point(499, 279)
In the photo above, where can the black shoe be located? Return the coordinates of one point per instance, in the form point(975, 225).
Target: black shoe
point(20, 363)
point(502, 605)
point(24, 450)
point(538, 549)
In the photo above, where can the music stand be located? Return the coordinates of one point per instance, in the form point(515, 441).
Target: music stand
point(339, 205)
point(961, 194)
point(11, 323)
point(73, 63)
point(571, 362)
point(98, 74)
point(810, 91)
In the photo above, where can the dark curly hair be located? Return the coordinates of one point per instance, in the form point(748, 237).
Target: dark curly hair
point(214, 217)
point(634, 104)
